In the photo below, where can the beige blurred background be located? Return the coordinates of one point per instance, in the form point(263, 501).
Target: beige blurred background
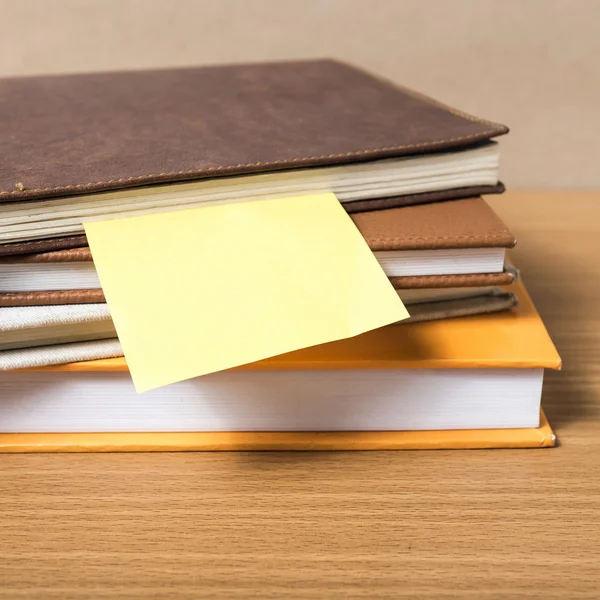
point(532, 64)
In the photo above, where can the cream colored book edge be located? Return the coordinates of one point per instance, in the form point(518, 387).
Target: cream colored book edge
point(58, 217)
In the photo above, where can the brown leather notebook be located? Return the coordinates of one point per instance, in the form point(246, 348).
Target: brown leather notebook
point(399, 237)
point(467, 223)
point(461, 224)
point(507, 276)
point(77, 135)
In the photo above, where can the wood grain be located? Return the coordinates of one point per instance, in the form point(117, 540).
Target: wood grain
point(455, 524)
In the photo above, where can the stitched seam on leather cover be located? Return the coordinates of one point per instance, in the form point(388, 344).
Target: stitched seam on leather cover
point(465, 277)
point(76, 254)
point(69, 255)
point(484, 237)
point(501, 224)
point(91, 293)
point(256, 164)
point(432, 281)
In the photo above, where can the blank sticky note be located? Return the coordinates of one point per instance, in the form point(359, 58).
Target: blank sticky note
point(196, 291)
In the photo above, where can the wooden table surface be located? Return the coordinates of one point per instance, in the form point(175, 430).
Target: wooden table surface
point(431, 524)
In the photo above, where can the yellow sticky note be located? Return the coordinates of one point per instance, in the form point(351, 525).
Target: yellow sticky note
point(196, 291)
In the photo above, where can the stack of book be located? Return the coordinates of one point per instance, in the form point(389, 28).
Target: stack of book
point(464, 371)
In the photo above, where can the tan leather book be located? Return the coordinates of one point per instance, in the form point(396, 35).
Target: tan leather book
point(467, 223)
point(110, 144)
point(447, 244)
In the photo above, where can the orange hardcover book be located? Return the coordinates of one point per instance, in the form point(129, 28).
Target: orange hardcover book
point(514, 342)
point(537, 437)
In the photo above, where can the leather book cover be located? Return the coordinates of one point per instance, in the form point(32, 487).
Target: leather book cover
point(460, 224)
point(467, 223)
point(539, 437)
point(506, 277)
point(51, 298)
point(64, 135)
